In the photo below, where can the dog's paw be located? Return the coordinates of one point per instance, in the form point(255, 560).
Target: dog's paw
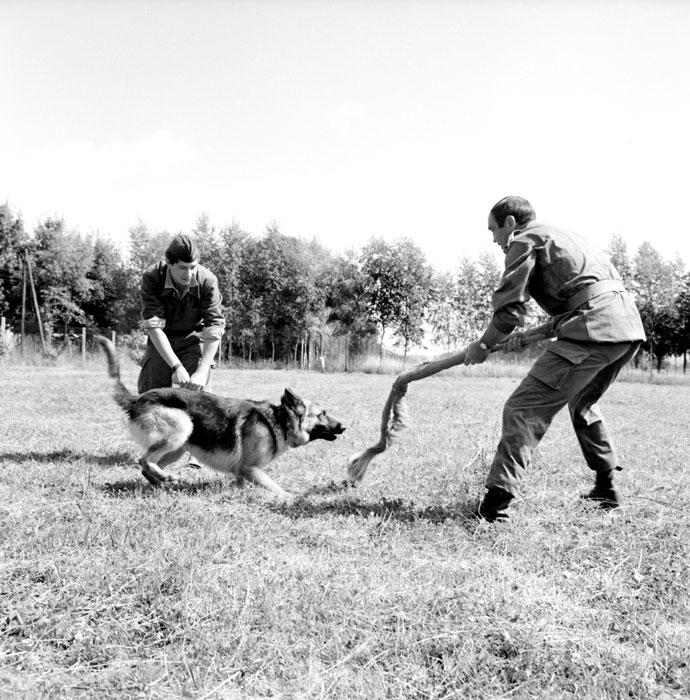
point(158, 478)
point(151, 478)
point(285, 498)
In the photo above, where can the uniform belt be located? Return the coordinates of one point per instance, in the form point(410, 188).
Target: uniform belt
point(593, 290)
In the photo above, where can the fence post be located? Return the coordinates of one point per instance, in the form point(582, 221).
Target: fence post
point(83, 344)
point(2, 328)
point(113, 335)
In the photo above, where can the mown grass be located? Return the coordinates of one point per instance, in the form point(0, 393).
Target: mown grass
point(112, 589)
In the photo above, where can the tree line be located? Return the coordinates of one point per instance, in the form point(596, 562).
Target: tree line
point(277, 288)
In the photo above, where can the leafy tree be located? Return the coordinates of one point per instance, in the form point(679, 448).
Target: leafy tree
point(383, 290)
point(227, 267)
point(416, 277)
point(62, 262)
point(252, 330)
point(474, 285)
point(277, 270)
point(145, 249)
point(618, 253)
point(442, 316)
point(208, 238)
point(104, 308)
point(348, 311)
point(398, 282)
point(656, 284)
point(489, 278)
point(13, 241)
point(683, 320)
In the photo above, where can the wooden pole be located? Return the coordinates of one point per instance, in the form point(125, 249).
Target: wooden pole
point(112, 337)
point(83, 345)
point(35, 298)
point(23, 307)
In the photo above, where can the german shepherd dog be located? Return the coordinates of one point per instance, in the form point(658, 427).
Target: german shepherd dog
point(229, 435)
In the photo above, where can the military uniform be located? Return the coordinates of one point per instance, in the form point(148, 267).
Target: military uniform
point(187, 320)
point(598, 330)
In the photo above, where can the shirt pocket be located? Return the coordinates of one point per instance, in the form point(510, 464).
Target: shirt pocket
point(555, 366)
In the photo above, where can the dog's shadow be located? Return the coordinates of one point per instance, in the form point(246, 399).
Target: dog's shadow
point(67, 455)
point(304, 506)
point(138, 486)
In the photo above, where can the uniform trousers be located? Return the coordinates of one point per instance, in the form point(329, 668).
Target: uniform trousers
point(156, 373)
point(572, 373)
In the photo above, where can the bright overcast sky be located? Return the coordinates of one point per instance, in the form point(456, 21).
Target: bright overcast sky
point(343, 120)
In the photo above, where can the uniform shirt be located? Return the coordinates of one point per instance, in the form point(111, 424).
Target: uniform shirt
point(197, 310)
point(550, 265)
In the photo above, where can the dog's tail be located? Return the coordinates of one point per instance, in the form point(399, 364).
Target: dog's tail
point(123, 396)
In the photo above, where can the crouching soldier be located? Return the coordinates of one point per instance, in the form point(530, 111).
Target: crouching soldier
point(181, 311)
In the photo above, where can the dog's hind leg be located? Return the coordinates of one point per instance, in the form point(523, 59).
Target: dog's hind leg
point(162, 433)
point(156, 454)
point(149, 469)
point(172, 457)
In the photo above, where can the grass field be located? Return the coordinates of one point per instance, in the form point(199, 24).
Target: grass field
point(111, 589)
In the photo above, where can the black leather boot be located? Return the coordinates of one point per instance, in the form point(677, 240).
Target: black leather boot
point(494, 505)
point(604, 492)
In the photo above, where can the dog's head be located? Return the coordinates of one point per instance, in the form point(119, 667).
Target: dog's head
point(309, 421)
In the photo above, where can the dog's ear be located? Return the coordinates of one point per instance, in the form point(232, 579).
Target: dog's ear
point(293, 402)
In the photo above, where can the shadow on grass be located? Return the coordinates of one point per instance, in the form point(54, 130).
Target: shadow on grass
point(140, 487)
point(385, 509)
point(67, 455)
point(304, 506)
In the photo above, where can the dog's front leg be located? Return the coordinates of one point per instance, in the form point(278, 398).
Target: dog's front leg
point(259, 476)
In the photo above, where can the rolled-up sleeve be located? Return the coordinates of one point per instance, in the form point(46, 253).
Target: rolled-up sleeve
point(510, 299)
point(152, 311)
point(211, 309)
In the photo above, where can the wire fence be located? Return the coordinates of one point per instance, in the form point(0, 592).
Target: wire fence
point(316, 351)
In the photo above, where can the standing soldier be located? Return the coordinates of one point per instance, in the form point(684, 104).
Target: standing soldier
point(597, 328)
point(182, 314)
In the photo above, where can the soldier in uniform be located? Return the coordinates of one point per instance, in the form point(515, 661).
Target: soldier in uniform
point(597, 329)
point(182, 314)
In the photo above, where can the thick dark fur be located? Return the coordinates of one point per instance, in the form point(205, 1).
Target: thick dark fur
point(230, 435)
